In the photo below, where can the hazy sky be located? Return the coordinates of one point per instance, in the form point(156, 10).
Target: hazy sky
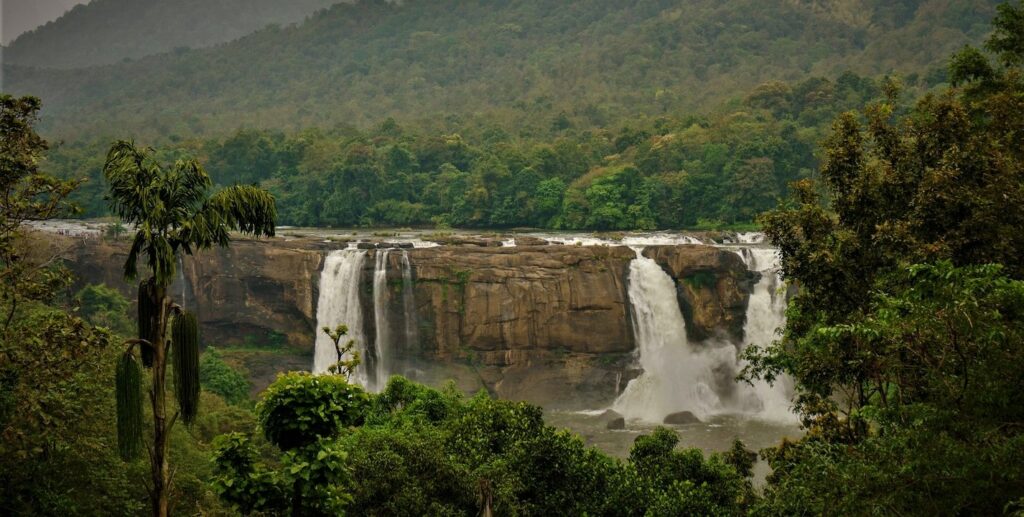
point(18, 16)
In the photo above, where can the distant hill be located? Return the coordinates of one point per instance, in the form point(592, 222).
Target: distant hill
point(108, 31)
point(529, 65)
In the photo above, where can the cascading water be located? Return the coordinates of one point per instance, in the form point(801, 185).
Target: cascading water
point(766, 313)
point(409, 304)
point(380, 316)
point(676, 377)
point(339, 303)
point(180, 280)
point(698, 377)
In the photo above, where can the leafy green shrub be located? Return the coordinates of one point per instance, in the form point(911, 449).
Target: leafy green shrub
point(218, 377)
point(300, 408)
point(104, 306)
point(421, 451)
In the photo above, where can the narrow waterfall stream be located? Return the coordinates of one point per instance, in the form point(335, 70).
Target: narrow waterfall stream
point(409, 305)
point(180, 289)
point(339, 303)
point(381, 364)
point(766, 313)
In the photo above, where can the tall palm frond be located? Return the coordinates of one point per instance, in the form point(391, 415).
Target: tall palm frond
point(172, 209)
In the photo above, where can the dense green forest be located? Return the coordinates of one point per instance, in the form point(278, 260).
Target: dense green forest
point(523, 65)
point(108, 31)
point(666, 172)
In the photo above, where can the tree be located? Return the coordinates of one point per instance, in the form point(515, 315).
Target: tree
point(302, 415)
point(105, 307)
point(903, 338)
point(348, 356)
point(26, 194)
point(172, 212)
point(944, 436)
point(56, 451)
point(943, 182)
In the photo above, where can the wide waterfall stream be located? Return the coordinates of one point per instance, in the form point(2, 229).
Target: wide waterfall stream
point(339, 304)
point(677, 376)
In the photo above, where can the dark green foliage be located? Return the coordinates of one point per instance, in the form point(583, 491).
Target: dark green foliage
point(148, 317)
point(59, 451)
point(300, 408)
point(129, 406)
point(422, 451)
point(302, 415)
point(909, 375)
point(185, 360)
point(680, 171)
point(218, 377)
point(689, 483)
point(106, 307)
point(26, 194)
point(942, 182)
point(240, 481)
point(174, 210)
point(313, 479)
point(410, 473)
point(944, 437)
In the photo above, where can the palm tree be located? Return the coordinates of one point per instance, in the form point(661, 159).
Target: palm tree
point(172, 212)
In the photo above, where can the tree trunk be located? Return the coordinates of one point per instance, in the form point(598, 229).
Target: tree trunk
point(158, 465)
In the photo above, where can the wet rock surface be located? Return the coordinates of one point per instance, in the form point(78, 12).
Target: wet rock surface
point(681, 418)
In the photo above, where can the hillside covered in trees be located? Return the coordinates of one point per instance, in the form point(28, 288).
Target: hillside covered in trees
point(523, 64)
point(102, 32)
point(667, 172)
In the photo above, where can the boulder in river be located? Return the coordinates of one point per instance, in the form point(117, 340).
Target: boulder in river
point(681, 418)
point(616, 424)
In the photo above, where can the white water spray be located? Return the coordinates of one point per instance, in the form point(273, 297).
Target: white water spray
point(339, 304)
point(699, 377)
point(676, 377)
point(766, 313)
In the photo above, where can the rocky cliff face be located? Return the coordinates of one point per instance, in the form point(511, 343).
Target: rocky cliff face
point(529, 322)
point(712, 286)
point(547, 323)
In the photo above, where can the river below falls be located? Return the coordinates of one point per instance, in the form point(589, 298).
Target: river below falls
point(715, 435)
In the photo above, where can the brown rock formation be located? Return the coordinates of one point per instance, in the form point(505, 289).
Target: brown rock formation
point(550, 324)
point(712, 285)
point(547, 323)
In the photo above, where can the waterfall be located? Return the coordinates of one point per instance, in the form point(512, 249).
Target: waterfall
point(339, 303)
point(409, 305)
point(181, 285)
point(380, 317)
point(699, 377)
point(676, 375)
point(766, 313)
